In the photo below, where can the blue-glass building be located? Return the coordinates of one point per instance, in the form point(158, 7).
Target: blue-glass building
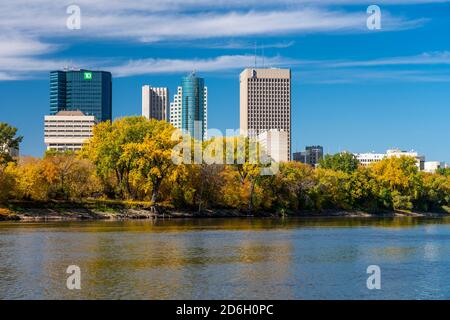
point(84, 90)
point(193, 106)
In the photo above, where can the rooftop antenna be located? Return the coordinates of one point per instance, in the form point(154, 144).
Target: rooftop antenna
point(262, 48)
point(255, 53)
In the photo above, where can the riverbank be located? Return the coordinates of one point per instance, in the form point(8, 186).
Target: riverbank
point(123, 210)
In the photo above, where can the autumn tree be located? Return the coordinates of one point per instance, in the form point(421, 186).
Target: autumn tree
point(75, 176)
point(150, 161)
point(293, 187)
point(35, 179)
point(7, 182)
point(107, 146)
point(400, 184)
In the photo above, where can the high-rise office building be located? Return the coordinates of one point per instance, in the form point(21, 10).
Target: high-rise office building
point(155, 103)
point(265, 102)
point(87, 91)
point(312, 155)
point(189, 110)
point(68, 130)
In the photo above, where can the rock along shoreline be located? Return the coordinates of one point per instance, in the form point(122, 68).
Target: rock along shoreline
point(113, 213)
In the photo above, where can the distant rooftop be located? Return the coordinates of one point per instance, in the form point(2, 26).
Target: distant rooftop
point(70, 113)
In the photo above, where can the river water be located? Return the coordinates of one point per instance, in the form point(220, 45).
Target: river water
point(295, 258)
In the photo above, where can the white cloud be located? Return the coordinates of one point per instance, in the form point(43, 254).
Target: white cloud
point(30, 31)
point(138, 20)
point(13, 46)
point(427, 58)
point(221, 63)
point(343, 76)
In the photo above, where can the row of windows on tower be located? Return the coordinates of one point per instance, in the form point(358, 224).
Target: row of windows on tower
point(269, 80)
point(271, 122)
point(266, 93)
point(261, 90)
point(270, 103)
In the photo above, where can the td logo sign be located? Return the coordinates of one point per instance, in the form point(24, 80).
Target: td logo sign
point(88, 76)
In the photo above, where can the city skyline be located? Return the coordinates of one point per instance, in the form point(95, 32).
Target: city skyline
point(352, 89)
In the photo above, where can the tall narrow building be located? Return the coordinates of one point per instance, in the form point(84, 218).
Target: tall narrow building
point(265, 102)
point(155, 103)
point(189, 110)
point(82, 90)
point(175, 109)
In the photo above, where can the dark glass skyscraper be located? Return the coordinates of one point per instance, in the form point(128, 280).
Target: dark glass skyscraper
point(193, 106)
point(87, 91)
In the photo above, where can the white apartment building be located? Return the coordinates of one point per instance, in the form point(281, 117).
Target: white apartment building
point(368, 158)
point(68, 130)
point(176, 110)
point(155, 102)
point(265, 102)
point(420, 160)
point(432, 166)
point(275, 143)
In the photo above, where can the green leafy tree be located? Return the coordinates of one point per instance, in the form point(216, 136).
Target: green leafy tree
point(443, 172)
point(344, 161)
point(8, 142)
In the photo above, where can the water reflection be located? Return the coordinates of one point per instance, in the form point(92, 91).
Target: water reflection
point(297, 258)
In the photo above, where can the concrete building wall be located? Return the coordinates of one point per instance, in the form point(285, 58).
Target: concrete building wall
point(67, 130)
point(155, 102)
point(275, 144)
point(432, 166)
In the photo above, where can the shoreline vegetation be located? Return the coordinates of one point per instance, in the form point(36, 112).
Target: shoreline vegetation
point(91, 210)
point(127, 171)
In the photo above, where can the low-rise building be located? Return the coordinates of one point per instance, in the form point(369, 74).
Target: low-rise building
point(312, 155)
point(68, 130)
point(367, 159)
point(432, 166)
point(420, 160)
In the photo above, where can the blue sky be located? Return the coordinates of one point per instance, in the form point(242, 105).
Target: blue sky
point(353, 89)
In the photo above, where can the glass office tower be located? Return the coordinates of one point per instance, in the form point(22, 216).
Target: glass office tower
point(87, 91)
point(193, 106)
